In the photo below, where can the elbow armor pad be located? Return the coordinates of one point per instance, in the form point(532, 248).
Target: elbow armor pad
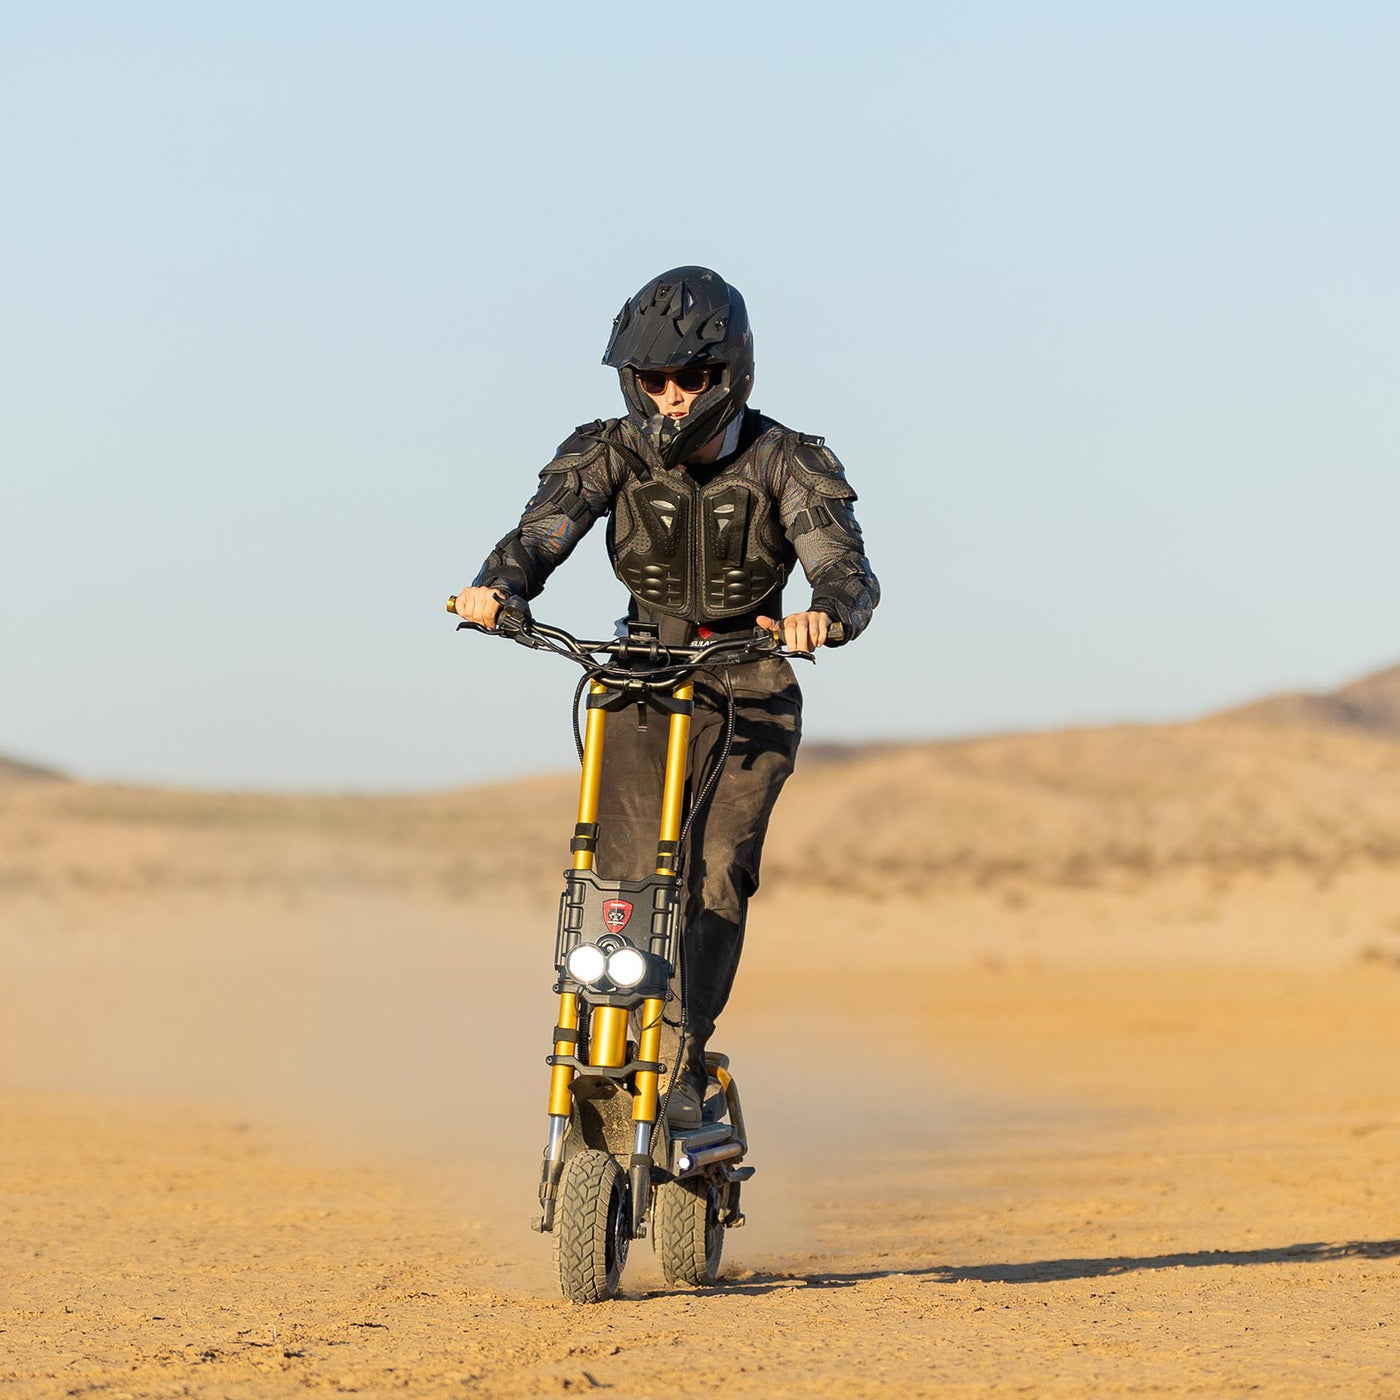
point(827, 536)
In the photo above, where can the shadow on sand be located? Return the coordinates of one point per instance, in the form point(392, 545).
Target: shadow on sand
point(1053, 1270)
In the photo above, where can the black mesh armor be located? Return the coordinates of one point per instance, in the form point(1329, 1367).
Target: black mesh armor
point(707, 544)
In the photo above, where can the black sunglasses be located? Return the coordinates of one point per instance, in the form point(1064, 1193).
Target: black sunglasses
point(694, 380)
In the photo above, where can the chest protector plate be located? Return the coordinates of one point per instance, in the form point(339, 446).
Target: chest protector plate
point(702, 552)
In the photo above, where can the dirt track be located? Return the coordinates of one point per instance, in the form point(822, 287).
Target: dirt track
point(1134, 1132)
point(1065, 1183)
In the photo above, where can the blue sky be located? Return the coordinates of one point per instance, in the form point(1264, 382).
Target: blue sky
point(1098, 304)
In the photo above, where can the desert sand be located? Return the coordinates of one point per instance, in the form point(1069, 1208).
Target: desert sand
point(1077, 1074)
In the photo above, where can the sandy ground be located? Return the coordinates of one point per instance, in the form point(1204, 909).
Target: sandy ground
point(1138, 1134)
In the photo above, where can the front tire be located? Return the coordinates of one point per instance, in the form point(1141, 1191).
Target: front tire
point(592, 1225)
point(686, 1231)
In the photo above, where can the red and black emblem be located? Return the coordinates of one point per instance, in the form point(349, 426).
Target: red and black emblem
point(616, 912)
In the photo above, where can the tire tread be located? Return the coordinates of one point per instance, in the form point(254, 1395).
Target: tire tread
point(581, 1228)
point(678, 1231)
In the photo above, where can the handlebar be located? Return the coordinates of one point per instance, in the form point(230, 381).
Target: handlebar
point(515, 621)
point(632, 660)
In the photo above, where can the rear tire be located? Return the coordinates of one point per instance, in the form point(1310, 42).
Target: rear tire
point(686, 1231)
point(592, 1225)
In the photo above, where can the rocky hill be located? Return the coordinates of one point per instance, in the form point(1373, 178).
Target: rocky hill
point(1371, 704)
point(13, 770)
point(1068, 808)
point(1302, 782)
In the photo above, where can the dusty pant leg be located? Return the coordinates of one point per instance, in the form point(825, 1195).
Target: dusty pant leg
point(726, 843)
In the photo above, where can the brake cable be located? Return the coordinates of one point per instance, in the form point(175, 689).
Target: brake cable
point(708, 788)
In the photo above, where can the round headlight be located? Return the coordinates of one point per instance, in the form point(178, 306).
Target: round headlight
point(586, 963)
point(627, 967)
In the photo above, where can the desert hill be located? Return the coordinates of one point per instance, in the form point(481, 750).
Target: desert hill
point(1371, 704)
point(1294, 782)
point(1064, 808)
point(14, 770)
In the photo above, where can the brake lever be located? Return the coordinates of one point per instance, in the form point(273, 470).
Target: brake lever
point(514, 620)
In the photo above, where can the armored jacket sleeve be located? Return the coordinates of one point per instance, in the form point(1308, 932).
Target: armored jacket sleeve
point(575, 489)
point(816, 508)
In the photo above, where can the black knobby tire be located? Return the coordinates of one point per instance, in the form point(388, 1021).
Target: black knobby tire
point(592, 1227)
point(686, 1231)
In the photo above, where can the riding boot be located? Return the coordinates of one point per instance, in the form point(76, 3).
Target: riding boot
point(685, 1106)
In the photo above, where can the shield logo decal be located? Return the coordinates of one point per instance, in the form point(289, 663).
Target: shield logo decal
point(616, 912)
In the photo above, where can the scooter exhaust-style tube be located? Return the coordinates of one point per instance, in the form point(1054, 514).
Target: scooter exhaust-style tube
point(689, 1161)
point(703, 1137)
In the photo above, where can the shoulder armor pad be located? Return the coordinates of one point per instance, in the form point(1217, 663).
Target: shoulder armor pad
point(581, 447)
point(817, 467)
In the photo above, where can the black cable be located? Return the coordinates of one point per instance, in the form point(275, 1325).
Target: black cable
point(708, 789)
point(684, 1029)
point(578, 733)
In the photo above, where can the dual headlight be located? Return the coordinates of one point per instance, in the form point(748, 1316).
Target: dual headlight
point(624, 967)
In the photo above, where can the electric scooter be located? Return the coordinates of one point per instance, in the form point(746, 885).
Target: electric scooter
point(614, 1168)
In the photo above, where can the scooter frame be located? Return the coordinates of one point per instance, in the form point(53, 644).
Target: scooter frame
point(604, 1088)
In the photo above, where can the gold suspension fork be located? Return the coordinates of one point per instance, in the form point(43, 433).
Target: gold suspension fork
point(607, 1035)
point(562, 1076)
point(590, 784)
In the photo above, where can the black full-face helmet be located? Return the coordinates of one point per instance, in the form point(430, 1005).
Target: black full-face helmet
point(688, 316)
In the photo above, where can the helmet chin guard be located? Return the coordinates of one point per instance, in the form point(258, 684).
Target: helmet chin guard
point(688, 316)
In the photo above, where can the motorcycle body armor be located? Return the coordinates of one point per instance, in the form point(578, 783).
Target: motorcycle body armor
point(704, 552)
point(698, 545)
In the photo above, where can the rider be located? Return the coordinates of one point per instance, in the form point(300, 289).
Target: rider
point(710, 504)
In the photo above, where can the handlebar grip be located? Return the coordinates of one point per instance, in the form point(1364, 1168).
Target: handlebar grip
point(835, 633)
point(501, 594)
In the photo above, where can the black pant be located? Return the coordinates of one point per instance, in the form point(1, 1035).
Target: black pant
point(726, 841)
